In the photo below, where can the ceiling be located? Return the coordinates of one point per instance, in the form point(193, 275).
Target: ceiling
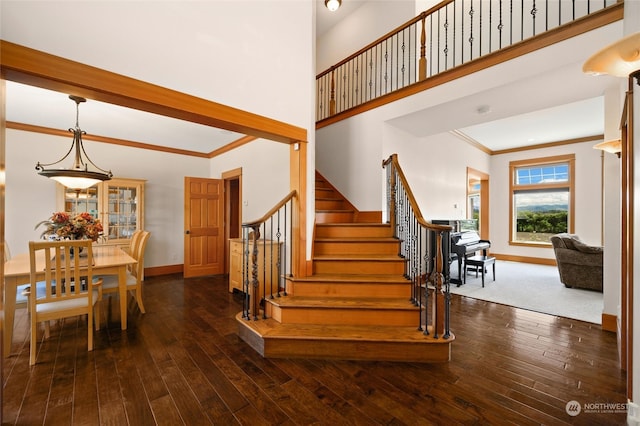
point(572, 108)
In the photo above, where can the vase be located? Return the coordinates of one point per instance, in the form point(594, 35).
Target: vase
point(72, 250)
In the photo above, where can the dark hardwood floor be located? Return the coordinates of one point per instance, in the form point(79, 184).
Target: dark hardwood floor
point(182, 363)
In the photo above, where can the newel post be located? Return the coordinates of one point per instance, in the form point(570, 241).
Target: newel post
point(422, 63)
point(254, 287)
point(332, 99)
point(438, 323)
point(392, 194)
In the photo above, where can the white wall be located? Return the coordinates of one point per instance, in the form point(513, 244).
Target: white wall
point(30, 198)
point(349, 154)
point(612, 224)
point(369, 22)
point(247, 54)
point(265, 174)
point(438, 181)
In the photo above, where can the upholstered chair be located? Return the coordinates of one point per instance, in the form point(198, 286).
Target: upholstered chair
point(579, 264)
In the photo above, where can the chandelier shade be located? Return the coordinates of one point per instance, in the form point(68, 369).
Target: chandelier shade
point(78, 176)
point(620, 59)
point(613, 146)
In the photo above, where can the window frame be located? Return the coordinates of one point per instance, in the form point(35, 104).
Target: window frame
point(513, 188)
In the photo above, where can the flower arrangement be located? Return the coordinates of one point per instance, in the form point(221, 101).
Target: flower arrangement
point(62, 226)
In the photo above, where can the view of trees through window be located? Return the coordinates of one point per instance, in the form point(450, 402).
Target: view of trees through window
point(541, 197)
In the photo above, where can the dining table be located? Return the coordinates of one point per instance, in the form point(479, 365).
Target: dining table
point(107, 260)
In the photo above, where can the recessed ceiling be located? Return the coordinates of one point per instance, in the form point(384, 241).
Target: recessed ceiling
point(569, 121)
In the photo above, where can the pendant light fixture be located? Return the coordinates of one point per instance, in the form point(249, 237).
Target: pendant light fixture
point(620, 59)
point(332, 5)
point(78, 176)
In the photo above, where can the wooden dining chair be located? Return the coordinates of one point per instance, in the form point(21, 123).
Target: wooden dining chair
point(68, 288)
point(135, 272)
point(135, 237)
point(21, 298)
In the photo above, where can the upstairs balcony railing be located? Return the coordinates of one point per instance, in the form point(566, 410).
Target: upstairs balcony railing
point(452, 33)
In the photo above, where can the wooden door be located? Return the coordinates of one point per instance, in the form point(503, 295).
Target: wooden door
point(203, 227)
point(233, 213)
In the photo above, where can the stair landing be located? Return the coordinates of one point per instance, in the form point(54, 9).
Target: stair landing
point(273, 339)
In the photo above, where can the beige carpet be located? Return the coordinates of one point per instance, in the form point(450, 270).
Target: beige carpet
point(532, 287)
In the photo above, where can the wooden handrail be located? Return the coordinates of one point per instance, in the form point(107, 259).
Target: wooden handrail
point(415, 232)
point(270, 213)
point(436, 52)
point(251, 238)
point(386, 36)
point(393, 159)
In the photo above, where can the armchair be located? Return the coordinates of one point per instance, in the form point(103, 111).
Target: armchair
point(579, 264)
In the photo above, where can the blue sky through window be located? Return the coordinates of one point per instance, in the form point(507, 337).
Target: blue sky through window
point(542, 174)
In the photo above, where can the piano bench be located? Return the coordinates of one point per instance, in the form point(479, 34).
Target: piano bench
point(479, 262)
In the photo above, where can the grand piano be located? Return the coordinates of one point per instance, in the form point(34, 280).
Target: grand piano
point(465, 241)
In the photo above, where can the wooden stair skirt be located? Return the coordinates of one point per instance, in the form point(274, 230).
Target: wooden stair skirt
point(356, 305)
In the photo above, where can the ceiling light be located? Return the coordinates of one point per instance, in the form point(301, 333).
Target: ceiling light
point(483, 109)
point(332, 5)
point(79, 176)
point(614, 146)
point(620, 59)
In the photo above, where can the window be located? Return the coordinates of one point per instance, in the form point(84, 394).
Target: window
point(541, 199)
point(473, 199)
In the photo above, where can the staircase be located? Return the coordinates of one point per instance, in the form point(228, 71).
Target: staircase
point(355, 306)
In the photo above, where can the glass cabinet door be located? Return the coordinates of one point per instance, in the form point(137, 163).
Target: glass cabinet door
point(85, 200)
point(122, 200)
point(118, 203)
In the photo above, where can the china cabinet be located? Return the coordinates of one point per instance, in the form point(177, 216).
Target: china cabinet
point(118, 203)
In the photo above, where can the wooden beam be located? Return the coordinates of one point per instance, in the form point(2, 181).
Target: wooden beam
point(29, 66)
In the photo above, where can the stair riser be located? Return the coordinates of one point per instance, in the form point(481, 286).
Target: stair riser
point(358, 351)
point(329, 204)
point(334, 217)
point(341, 247)
point(323, 192)
point(328, 231)
point(358, 267)
point(322, 184)
point(343, 316)
point(383, 291)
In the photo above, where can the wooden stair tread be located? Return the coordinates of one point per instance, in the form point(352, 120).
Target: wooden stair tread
point(269, 328)
point(356, 224)
point(357, 278)
point(325, 198)
point(355, 256)
point(343, 302)
point(365, 240)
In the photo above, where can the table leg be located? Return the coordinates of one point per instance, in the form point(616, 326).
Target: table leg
point(122, 284)
point(10, 286)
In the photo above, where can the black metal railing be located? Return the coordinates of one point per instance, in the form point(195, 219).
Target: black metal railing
point(267, 256)
point(425, 248)
point(448, 35)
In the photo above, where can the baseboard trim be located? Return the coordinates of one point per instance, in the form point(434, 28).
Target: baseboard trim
point(525, 259)
point(610, 322)
point(163, 270)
